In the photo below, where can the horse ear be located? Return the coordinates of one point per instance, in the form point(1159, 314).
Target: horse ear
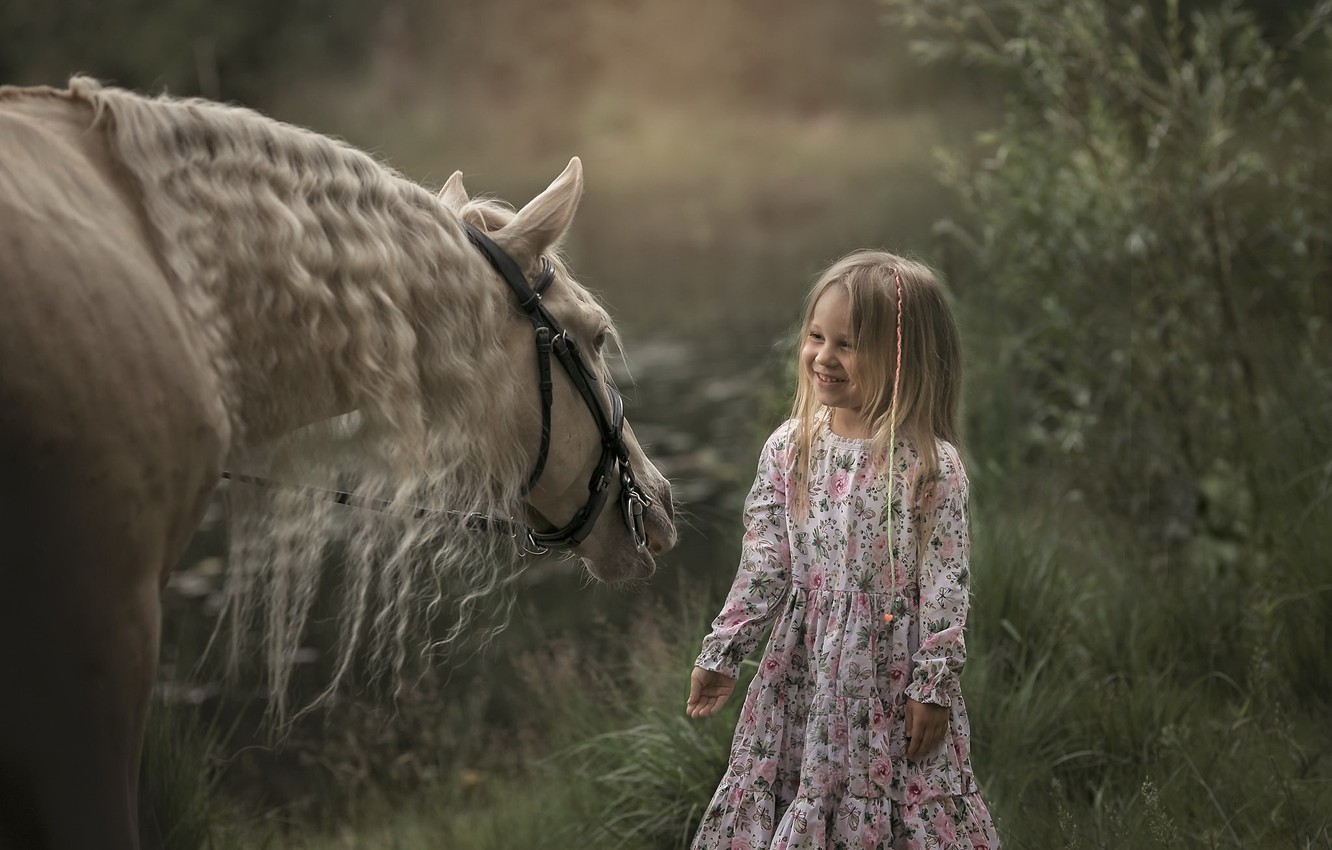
point(545, 220)
point(453, 194)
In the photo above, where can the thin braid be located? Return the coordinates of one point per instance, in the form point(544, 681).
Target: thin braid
point(892, 418)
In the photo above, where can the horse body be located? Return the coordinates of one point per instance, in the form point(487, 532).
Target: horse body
point(182, 285)
point(110, 442)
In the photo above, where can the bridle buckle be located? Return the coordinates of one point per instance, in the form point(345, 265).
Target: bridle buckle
point(635, 504)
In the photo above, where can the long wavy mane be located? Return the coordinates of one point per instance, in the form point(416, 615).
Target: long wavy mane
point(282, 244)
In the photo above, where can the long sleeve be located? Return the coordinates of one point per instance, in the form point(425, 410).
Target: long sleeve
point(944, 582)
point(765, 565)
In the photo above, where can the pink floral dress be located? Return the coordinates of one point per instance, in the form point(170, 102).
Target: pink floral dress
point(819, 756)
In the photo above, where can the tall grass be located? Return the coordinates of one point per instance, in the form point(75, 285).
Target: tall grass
point(603, 759)
point(180, 807)
point(1100, 717)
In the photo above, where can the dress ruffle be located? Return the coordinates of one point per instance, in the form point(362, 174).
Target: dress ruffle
point(748, 819)
point(827, 701)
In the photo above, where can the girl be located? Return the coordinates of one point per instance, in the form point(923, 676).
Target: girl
point(853, 734)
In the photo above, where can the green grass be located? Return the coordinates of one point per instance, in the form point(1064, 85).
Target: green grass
point(605, 759)
point(180, 801)
point(1100, 718)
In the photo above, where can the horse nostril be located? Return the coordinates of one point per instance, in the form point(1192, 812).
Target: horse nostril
point(662, 537)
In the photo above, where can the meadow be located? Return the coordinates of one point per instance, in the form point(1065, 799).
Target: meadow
point(1136, 242)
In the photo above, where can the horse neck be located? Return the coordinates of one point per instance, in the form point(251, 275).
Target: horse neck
point(383, 308)
point(319, 280)
point(352, 318)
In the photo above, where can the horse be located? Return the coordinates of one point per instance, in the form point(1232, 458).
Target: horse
point(191, 290)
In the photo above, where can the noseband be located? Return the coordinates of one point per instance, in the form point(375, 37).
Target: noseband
point(552, 339)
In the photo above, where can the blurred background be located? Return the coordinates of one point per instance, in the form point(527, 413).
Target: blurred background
point(1131, 205)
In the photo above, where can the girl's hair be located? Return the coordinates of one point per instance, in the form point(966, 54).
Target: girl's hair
point(928, 383)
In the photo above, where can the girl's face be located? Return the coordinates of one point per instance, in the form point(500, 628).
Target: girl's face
point(828, 357)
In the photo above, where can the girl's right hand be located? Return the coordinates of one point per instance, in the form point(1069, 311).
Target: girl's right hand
point(708, 692)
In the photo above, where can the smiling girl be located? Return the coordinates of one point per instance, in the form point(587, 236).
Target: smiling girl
point(856, 549)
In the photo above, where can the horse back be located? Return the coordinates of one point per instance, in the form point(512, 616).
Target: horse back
point(106, 403)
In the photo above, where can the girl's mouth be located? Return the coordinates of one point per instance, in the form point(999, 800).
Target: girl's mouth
point(827, 380)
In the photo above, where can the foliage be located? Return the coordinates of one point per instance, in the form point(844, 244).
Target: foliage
point(1150, 233)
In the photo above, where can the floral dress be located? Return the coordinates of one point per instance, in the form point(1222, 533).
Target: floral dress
point(819, 756)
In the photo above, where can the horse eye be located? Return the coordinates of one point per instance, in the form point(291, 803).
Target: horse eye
point(599, 341)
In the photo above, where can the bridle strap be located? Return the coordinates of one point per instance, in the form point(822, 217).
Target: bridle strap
point(529, 298)
point(545, 386)
point(610, 426)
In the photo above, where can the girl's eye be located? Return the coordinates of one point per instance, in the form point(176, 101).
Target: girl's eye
point(816, 337)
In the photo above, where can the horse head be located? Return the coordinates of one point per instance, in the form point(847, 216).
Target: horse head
point(590, 477)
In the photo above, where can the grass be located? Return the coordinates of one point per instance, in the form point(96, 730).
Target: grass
point(180, 801)
point(1099, 718)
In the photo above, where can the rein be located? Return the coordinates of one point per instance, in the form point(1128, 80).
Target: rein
point(551, 340)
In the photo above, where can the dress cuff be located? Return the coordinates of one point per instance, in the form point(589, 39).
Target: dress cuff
point(933, 682)
point(719, 655)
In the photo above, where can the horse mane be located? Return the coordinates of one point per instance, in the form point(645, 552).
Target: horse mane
point(265, 228)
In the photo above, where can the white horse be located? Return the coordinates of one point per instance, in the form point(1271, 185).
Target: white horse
point(187, 289)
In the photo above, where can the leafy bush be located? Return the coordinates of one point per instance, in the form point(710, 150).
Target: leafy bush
point(1149, 269)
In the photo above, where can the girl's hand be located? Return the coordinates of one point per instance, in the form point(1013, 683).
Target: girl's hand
point(926, 724)
point(708, 692)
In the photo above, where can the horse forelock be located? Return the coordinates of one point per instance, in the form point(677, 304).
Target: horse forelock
point(265, 229)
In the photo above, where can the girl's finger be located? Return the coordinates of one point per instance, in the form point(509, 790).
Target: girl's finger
point(936, 735)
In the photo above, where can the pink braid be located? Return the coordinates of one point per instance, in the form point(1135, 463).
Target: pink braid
point(897, 366)
point(892, 433)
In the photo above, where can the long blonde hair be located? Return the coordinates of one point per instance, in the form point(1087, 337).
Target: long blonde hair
point(916, 399)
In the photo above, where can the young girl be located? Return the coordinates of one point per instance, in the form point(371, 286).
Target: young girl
point(853, 733)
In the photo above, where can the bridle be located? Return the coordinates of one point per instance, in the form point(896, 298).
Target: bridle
point(551, 339)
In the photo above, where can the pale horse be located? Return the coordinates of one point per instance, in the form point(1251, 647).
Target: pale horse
point(189, 289)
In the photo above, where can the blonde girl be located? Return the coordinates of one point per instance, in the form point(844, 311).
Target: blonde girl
point(853, 733)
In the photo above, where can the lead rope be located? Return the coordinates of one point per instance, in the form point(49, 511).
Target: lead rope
point(475, 521)
point(892, 446)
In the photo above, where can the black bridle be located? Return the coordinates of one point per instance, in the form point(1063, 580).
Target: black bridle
point(551, 339)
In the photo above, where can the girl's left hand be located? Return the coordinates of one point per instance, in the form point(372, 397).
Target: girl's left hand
point(926, 724)
point(708, 692)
